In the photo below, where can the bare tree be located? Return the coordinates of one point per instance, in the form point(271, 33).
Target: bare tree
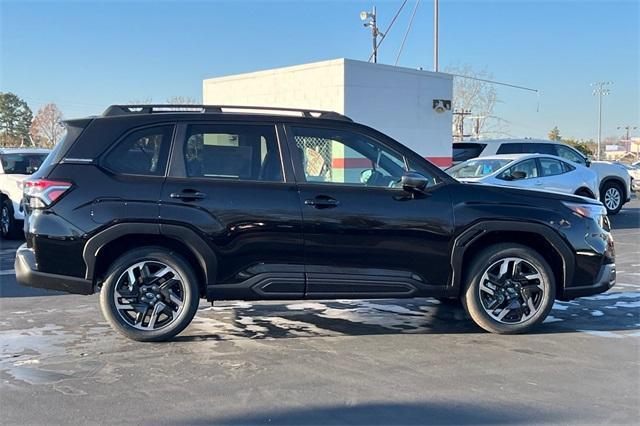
point(46, 127)
point(476, 99)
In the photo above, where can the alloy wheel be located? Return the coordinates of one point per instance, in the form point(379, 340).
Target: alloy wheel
point(511, 290)
point(149, 295)
point(612, 198)
point(5, 221)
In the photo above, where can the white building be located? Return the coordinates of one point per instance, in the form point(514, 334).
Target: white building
point(412, 106)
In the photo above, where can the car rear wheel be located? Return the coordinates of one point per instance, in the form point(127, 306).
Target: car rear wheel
point(611, 195)
point(510, 290)
point(150, 294)
point(9, 226)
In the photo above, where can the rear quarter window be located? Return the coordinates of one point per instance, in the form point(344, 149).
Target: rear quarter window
point(467, 151)
point(142, 152)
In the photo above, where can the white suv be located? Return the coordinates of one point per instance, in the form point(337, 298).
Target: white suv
point(16, 164)
point(614, 181)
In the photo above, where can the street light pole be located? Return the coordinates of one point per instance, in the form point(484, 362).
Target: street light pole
point(600, 90)
point(435, 35)
point(375, 32)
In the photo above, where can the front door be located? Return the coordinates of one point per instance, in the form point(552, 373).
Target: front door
point(228, 182)
point(364, 235)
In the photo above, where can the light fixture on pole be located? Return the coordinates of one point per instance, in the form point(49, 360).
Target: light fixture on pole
point(600, 89)
point(370, 21)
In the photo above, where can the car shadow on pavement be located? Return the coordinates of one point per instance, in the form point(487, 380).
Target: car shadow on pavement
point(427, 413)
point(609, 315)
point(628, 218)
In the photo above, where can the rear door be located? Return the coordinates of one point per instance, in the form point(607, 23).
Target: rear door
point(228, 182)
point(555, 176)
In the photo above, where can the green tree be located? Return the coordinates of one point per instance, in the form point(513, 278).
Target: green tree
point(554, 134)
point(587, 147)
point(15, 119)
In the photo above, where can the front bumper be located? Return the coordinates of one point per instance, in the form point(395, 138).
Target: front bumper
point(28, 275)
point(604, 281)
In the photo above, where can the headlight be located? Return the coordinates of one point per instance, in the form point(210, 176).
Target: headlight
point(591, 211)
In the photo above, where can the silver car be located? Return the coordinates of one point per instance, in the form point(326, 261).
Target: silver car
point(533, 171)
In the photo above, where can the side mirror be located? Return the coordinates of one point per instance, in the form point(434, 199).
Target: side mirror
point(414, 182)
point(587, 162)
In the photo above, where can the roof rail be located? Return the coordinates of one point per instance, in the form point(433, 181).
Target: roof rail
point(115, 110)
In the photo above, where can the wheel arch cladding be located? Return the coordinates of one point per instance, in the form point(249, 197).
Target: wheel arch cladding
point(540, 238)
point(103, 248)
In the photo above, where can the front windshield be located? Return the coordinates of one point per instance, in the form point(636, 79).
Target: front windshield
point(21, 163)
point(477, 168)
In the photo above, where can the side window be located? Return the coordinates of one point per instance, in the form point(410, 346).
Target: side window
point(540, 148)
point(510, 148)
point(528, 167)
point(344, 157)
point(233, 151)
point(569, 154)
point(567, 167)
point(551, 167)
point(143, 152)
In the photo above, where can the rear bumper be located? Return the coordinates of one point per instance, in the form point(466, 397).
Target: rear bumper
point(604, 281)
point(28, 275)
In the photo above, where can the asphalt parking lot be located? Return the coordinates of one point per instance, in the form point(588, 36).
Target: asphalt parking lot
point(316, 362)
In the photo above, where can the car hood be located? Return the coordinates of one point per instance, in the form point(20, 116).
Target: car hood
point(536, 194)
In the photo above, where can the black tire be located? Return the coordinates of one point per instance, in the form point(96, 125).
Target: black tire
point(482, 262)
point(449, 301)
point(152, 254)
point(9, 228)
point(608, 191)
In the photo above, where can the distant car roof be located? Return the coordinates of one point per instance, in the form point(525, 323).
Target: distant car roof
point(24, 151)
point(488, 141)
point(513, 157)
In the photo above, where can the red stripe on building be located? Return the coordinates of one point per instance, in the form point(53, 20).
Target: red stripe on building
point(363, 163)
point(351, 163)
point(440, 161)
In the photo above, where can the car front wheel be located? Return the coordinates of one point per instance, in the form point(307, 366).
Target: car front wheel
point(611, 196)
point(150, 294)
point(510, 289)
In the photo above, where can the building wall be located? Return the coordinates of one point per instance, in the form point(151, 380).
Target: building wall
point(399, 102)
point(396, 101)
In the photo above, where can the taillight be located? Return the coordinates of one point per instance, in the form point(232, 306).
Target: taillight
point(41, 193)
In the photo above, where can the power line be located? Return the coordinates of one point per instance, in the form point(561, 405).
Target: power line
point(406, 34)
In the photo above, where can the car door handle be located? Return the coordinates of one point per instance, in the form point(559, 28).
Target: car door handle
point(538, 183)
point(322, 202)
point(188, 195)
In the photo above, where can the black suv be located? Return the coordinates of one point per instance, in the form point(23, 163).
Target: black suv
point(159, 206)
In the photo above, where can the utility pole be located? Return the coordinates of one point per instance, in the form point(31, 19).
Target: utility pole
point(435, 35)
point(628, 128)
point(462, 113)
point(600, 90)
point(371, 21)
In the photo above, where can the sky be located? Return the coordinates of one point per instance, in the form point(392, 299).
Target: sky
point(87, 55)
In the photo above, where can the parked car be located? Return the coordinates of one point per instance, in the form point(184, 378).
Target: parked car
point(16, 164)
point(634, 172)
point(530, 171)
point(156, 208)
point(614, 182)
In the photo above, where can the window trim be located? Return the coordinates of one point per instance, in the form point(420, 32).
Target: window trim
point(102, 158)
point(177, 166)
point(300, 175)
